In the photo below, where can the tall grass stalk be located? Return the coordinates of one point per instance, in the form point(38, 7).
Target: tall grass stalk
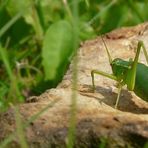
point(14, 84)
point(146, 145)
point(20, 129)
point(37, 25)
point(40, 14)
point(67, 8)
point(72, 124)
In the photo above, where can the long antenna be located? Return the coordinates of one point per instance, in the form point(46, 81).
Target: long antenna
point(108, 53)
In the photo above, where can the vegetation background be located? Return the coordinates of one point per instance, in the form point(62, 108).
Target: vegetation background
point(38, 39)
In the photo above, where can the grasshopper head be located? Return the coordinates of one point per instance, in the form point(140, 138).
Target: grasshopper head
point(120, 67)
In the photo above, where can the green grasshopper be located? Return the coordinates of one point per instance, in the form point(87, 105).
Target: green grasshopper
point(130, 73)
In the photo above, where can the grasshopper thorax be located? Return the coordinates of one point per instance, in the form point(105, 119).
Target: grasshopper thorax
point(120, 68)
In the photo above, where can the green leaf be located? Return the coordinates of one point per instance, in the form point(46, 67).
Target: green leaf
point(57, 50)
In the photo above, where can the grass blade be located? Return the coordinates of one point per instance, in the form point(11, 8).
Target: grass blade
point(73, 111)
point(9, 24)
point(20, 129)
point(106, 8)
point(14, 83)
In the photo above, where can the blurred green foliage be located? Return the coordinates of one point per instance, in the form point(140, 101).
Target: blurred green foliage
point(33, 32)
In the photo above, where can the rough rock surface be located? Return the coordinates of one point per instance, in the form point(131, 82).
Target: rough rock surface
point(97, 122)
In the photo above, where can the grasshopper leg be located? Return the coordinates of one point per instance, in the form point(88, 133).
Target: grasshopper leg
point(131, 76)
point(141, 44)
point(118, 97)
point(111, 76)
